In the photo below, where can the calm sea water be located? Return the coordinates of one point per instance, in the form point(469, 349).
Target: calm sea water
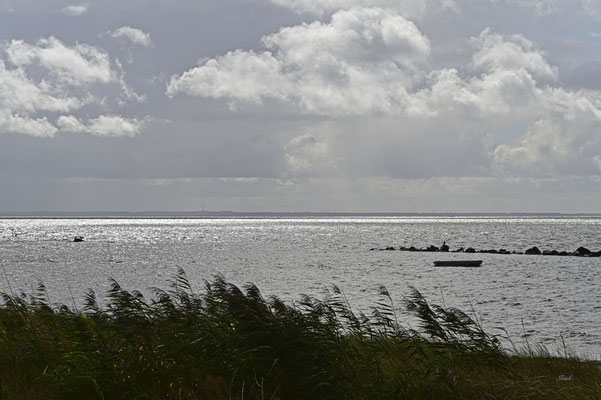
point(536, 298)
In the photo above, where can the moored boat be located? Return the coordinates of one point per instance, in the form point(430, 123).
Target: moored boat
point(458, 263)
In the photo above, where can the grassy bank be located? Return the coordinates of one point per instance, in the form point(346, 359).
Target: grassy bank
point(230, 343)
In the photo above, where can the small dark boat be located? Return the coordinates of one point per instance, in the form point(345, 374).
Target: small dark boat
point(458, 263)
point(78, 239)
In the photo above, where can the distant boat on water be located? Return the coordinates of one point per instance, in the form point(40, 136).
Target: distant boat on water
point(458, 263)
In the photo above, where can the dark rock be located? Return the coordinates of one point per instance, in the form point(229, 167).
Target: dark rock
point(550, 253)
point(595, 254)
point(470, 250)
point(432, 248)
point(444, 247)
point(562, 253)
point(504, 251)
point(412, 248)
point(583, 251)
point(533, 250)
point(390, 248)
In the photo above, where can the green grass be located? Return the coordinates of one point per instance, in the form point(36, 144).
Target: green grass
point(230, 343)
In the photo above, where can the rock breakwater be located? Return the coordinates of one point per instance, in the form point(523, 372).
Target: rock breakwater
point(579, 252)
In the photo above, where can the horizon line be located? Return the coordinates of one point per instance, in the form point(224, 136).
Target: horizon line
point(229, 213)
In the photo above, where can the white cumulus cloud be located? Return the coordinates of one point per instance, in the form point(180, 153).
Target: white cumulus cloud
point(50, 77)
point(134, 35)
point(80, 64)
point(20, 97)
point(565, 140)
point(20, 94)
point(308, 155)
point(103, 126)
point(10, 122)
point(497, 52)
point(76, 9)
point(361, 62)
point(374, 62)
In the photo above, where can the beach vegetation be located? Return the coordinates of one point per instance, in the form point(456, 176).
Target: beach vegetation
point(230, 342)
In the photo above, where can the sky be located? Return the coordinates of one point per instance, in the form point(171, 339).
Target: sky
point(300, 105)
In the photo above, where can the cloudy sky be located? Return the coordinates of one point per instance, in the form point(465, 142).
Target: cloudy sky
point(296, 105)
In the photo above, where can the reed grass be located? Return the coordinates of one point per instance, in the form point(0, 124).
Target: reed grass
point(227, 342)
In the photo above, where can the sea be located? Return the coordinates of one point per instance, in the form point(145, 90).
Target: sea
point(527, 300)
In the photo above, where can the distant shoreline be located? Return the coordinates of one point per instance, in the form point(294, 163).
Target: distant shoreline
point(304, 214)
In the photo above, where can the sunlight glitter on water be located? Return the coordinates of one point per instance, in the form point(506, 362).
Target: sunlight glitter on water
point(553, 296)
